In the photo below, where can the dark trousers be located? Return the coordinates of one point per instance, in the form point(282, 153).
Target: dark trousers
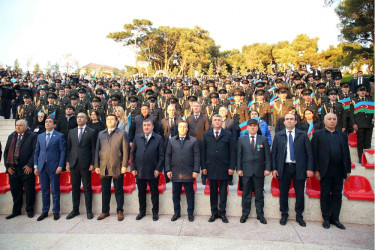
point(299, 187)
point(189, 190)
point(331, 204)
point(6, 105)
point(364, 136)
point(222, 185)
point(78, 174)
point(17, 181)
point(49, 179)
point(106, 192)
point(251, 184)
point(142, 187)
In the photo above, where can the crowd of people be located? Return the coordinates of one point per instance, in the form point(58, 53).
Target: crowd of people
point(215, 126)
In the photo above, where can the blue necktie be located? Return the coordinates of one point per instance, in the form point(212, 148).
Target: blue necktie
point(181, 141)
point(48, 138)
point(291, 148)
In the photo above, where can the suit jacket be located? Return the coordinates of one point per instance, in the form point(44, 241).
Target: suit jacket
point(253, 162)
point(320, 147)
point(55, 152)
point(63, 125)
point(147, 157)
point(27, 149)
point(218, 155)
point(182, 160)
point(302, 151)
point(112, 152)
point(167, 130)
point(231, 126)
point(136, 126)
point(198, 127)
point(81, 152)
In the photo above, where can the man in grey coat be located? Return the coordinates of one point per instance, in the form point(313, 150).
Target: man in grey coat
point(111, 159)
point(253, 164)
point(182, 163)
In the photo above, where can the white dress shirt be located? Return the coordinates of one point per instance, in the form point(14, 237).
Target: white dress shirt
point(216, 131)
point(79, 130)
point(255, 139)
point(287, 159)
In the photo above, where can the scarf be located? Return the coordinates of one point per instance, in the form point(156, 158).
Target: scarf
point(12, 151)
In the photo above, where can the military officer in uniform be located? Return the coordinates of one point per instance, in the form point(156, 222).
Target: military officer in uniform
point(238, 110)
point(223, 99)
point(133, 110)
point(83, 101)
point(320, 97)
point(51, 108)
point(74, 102)
point(308, 103)
point(334, 107)
point(261, 106)
point(280, 107)
point(41, 99)
point(345, 93)
point(154, 109)
point(96, 107)
point(213, 108)
point(27, 111)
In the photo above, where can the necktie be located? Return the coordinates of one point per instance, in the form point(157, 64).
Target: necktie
point(181, 141)
point(80, 134)
point(48, 138)
point(252, 143)
point(291, 147)
point(18, 140)
point(171, 123)
point(217, 135)
point(147, 137)
point(196, 117)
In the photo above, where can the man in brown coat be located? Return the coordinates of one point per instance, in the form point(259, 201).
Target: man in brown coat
point(111, 159)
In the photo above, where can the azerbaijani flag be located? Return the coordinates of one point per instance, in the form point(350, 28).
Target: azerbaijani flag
point(320, 111)
point(249, 105)
point(312, 94)
point(272, 102)
point(142, 90)
point(231, 99)
point(272, 89)
point(345, 103)
point(129, 119)
point(365, 107)
point(295, 103)
point(310, 131)
point(52, 115)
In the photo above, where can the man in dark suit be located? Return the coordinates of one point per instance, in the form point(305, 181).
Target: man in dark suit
point(19, 161)
point(198, 124)
point(332, 166)
point(147, 161)
point(218, 162)
point(111, 159)
point(182, 163)
point(80, 163)
point(49, 160)
point(292, 159)
point(170, 124)
point(253, 164)
point(67, 122)
point(354, 83)
point(136, 127)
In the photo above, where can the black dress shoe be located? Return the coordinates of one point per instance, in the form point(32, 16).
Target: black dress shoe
point(56, 216)
point(243, 219)
point(191, 218)
point(224, 219)
point(11, 216)
point(155, 217)
point(338, 224)
point(140, 216)
point(90, 215)
point(301, 222)
point(175, 217)
point(326, 224)
point(262, 219)
point(30, 215)
point(213, 218)
point(72, 215)
point(42, 216)
point(283, 220)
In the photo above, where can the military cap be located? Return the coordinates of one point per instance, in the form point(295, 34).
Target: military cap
point(128, 83)
point(222, 77)
point(178, 80)
point(317, 78)
point(57, 81)
point(167, 91)
point(192, 98)
point(132, 88)
point(238, 93)
point(42, 88)
point(140, 82)
point(211, 84)
point(223, 91)
point(186, 87)
point(260, 84)
point(332, 92)
point(300, 86)
point(204, 87)
point(328, 72)
point(283, 89)
point(173, 99)
point(99, 92)
point(280, 74)
point(227, 82)
point(52, 95)
point(251, 77)
point(264, 77)
point(149, 92)
point(133, 99)
point(297, 77)
point(344, 85)
point(306, 92)
point(115, 97)
point(245, 82)
point(321, 85)
point(237, 79)
point(149, 85)
point(85, 81)
point(116, 84)
point(279, 81)
point(26, 96)
point(214, 95)
point(73, 97)
point(152, 99)
point(337, 77)
point(96, 99)
point(360, 87)
point(195, 82)
point(260, 92)
point(82, 90)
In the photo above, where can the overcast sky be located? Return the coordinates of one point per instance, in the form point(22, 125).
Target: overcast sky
point(44, 30)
